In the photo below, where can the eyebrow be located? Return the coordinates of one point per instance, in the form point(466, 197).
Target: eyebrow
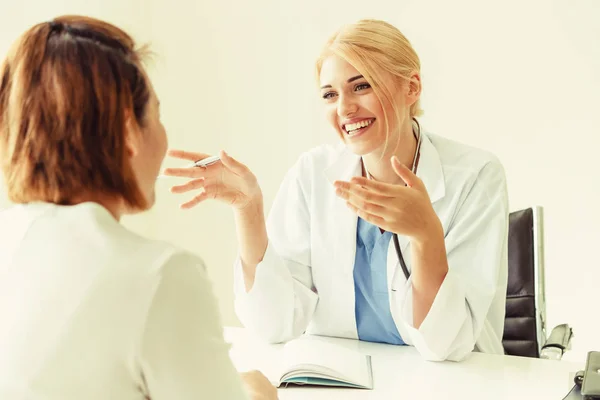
point(354, 78)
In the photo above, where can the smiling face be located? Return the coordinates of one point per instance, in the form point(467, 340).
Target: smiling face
point(354, 110)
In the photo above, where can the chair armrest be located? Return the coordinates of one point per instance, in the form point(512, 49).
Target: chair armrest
point(558, 342)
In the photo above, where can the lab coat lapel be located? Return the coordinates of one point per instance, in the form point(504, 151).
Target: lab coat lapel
point(344, 220)
point(430, 170)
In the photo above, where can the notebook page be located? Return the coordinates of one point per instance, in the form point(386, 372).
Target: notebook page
point(327, 358)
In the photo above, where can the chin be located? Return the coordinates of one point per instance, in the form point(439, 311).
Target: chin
point(150, 200)
point(369, 142)
point(362, 149)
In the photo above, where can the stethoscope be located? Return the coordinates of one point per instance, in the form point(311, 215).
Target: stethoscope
point(414, 171)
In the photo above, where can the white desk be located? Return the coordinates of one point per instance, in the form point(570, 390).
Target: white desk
point(399, 372)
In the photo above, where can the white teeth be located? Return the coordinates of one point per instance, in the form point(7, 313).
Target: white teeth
point(352, 127)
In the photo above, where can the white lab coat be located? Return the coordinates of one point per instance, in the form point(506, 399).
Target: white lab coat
point(305, 281)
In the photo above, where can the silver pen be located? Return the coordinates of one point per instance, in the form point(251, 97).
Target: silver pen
point(205, 162)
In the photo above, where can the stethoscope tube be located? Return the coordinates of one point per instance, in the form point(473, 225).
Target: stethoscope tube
point(400, 257)
point(395, 236)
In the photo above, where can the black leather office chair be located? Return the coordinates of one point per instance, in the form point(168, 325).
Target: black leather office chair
point(525, 323)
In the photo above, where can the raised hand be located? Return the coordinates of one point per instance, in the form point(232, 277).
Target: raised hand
point(228, 180)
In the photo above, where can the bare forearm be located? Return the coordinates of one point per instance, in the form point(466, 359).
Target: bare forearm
point(252, 239)
point(430, 266)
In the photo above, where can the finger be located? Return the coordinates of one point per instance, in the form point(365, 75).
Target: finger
point(405, 173)
point(232, 164)
point(187, 155)
point(384, 211)
point(369, 208)
point(210, 192)
point(191, 185)
point(348, 190)
point(193, 172)
point(382, 188)
point(195, 201)
point(371, 218)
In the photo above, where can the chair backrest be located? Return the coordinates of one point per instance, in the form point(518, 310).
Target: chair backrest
point(524, 328)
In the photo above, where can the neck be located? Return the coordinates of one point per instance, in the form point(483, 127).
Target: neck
point(112, 204)
point(378, 162)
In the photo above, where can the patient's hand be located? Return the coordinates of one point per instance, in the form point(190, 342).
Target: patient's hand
point(258, 386)
point(228, 181)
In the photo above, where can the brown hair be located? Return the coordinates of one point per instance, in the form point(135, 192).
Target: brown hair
point(68, 90)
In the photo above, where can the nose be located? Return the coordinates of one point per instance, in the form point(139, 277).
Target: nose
point(346, 106)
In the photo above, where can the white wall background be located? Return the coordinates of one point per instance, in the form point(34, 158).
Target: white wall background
point(519, 78)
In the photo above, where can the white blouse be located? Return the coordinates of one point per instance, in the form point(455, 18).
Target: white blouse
point(90, 310)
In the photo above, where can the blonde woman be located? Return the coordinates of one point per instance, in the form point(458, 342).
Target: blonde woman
point(395, 235)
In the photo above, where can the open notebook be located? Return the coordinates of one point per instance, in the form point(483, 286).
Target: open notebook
point(315, 362)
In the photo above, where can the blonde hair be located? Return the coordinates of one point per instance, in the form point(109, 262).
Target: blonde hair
point(376, 47)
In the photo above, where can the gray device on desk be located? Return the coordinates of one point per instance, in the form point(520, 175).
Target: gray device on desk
point(587, 382)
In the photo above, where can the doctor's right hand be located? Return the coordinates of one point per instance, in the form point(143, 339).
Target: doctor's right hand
point(228, 181)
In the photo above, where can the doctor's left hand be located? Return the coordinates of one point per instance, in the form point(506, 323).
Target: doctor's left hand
point(405, 210)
